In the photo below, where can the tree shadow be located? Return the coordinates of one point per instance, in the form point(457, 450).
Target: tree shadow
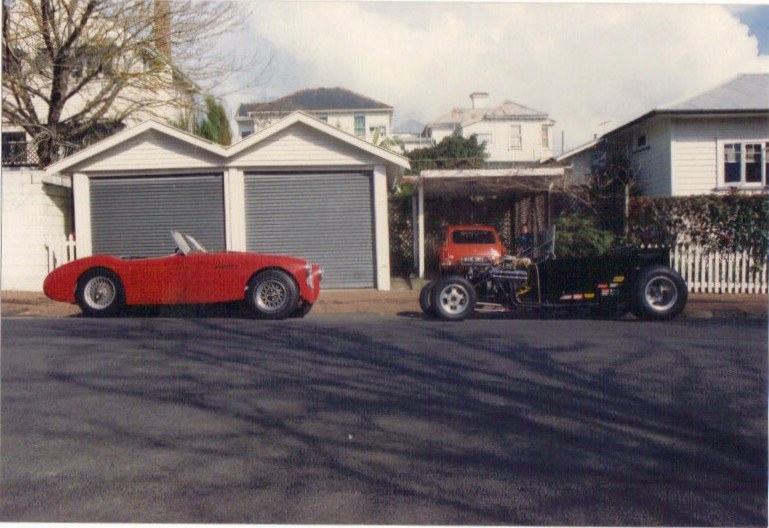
point(410, 423)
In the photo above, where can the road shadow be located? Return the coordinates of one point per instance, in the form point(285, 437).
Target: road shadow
point(407, 424)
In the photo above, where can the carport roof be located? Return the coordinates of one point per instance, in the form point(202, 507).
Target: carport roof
point(491, 181)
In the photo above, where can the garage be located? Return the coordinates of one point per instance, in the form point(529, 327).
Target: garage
point(132, 216)
point(324, 217)
point(298, 187)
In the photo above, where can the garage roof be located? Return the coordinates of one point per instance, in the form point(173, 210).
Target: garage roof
point(226, 154)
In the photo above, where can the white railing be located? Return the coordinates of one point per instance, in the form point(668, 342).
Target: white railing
point(717, 272)
point(61, 252)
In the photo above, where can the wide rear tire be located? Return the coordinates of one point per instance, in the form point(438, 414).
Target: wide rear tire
point(100, 293)
point(660, 294)
point(453, 298)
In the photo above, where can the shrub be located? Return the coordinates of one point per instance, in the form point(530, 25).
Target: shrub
point(580, 237)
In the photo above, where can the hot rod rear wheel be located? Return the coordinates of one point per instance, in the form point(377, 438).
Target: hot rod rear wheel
point(272, 294)
point(100, 293)
point(425, 302)
point(452, 298)
point(660, 293)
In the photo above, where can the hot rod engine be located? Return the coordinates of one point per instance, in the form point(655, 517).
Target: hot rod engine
point(502, 284)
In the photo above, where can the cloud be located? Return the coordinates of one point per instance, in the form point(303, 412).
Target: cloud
point(582, 63)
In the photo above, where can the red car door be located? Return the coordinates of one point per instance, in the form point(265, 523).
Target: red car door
point(155, 280)
point(212, 277)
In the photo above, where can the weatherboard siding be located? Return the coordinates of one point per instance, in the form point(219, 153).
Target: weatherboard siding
point(151, 151)
point(695, 149)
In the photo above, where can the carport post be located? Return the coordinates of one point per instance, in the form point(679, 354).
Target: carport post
point(421, 223)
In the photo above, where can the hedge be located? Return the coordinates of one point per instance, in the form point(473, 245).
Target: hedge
point(727, 223)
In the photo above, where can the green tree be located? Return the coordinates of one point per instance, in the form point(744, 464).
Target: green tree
point(453, 152)
point(215, 126)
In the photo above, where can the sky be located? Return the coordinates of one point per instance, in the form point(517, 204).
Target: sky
point(591, 67)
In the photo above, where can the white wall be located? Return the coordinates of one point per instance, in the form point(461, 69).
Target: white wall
point(34, 214)
point(501, 132)
point(697, 149)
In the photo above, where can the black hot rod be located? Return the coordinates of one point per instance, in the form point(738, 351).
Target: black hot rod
point(628, 279)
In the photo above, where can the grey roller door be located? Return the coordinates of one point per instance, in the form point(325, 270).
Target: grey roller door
point(133, 216)
point(323, 217)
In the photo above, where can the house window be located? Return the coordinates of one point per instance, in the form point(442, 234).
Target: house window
point(545, 136)
point(641, 141)
point(323, 117)
point(746, 163)
point(515, 137)
point(381, 130)
point(360, 125)
point(14, 148)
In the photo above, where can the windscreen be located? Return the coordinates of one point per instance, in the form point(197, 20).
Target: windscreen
point(474, 236)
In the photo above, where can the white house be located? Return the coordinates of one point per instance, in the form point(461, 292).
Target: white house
point(713, 142)
point(512, 132)
point(355, 114)
point(298, 187)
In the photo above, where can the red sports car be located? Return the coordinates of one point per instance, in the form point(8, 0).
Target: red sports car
point(273, 286)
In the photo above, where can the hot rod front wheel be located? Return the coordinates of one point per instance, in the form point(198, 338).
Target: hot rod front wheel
point(425, 302)
point(452, 298)
point(660, 293)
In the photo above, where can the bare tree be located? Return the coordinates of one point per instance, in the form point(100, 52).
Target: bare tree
point(75, 70)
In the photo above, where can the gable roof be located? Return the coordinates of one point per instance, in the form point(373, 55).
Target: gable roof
point(226, 153)
point(315, 100)
point(747, 93)
point(507, 110)
point(129, 133)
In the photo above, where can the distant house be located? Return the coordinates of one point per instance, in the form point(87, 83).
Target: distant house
point(411, 135)
point(714, 142)
point(355, 114)
point(512, 132)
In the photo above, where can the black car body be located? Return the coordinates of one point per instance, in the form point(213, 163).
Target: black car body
point(633, 279)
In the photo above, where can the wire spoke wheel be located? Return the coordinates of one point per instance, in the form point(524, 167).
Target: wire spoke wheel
point(271, 295)
point(100, 292)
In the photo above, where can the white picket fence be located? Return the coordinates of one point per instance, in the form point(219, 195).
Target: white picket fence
point(61, 252)
point(715, 272)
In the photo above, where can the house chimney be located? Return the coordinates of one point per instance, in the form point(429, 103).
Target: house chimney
point(162, 27)
point(479, 99)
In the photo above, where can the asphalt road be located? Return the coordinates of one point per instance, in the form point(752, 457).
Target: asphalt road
point(364, 419)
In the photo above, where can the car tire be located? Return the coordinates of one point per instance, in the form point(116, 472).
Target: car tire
point(660, 294)
point(302, 310)
point(425, 301)
point(272, 294)
point(453, 298)
point(100, 293)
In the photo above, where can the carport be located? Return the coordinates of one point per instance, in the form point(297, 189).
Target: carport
point(478, 189)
